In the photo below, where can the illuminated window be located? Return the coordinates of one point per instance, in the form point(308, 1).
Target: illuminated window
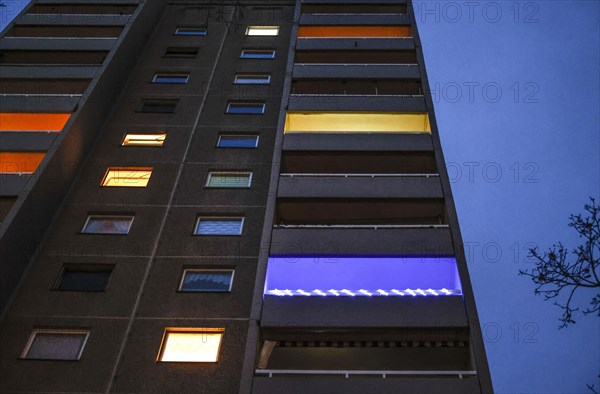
point(229, 179)
point(171, 78)
point(237, 141)
point(181, 52)
point(20, 162)
point(32, 121)
point(127, 177)
point(219, 226)
point(84, 277)
point(206, 280)
point(354, 31)
point(53, 344)
point(190, 31)
point(252, 79)
point(107, 224)
point(258, 54)
point(132, 139)
point(356, 122)
point(248, 108)
point(191, 345)
point(262, 30)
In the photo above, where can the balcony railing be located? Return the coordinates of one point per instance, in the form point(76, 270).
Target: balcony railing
point(358, 226)
point(299, 175)
point(349, 373)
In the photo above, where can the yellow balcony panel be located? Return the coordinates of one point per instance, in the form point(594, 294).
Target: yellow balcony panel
point(356, 122)
point(127, 177)
point(32, 121)
point(354, 31)
point(20, 162)
point(196, 346)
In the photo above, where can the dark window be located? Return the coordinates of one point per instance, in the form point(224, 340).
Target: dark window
point(6, 203)
point(56, 344)
point(258, 54)
point(158, 106)
point(206, 280)
point(84, 278)
point(251, 108)
point(181, 52)
point(237, 141)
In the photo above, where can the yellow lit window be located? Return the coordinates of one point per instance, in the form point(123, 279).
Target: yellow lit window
point(356, 122)
point(127, 177)
point(191, 345)
point(262, 30)
point(132, 139)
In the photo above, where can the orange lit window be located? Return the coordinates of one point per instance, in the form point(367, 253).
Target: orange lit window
point(191, 345)
point(353, 31)
point(127, 177)
point(32, 121)
point(20, 162)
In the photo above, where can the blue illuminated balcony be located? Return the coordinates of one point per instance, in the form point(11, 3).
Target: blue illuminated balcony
point(362, 292)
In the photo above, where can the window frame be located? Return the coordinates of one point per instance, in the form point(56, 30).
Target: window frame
point(183, 330)
point(211, 174)
point(262, 30)
point(199, 218)
point(237, 135)
point(245, 52)
point(62, 331)
point(247, 104)
point(83, 268)
point(191, 269)
point(251, 77)
point(159, 75)
point(180, 31)
point(90, 216)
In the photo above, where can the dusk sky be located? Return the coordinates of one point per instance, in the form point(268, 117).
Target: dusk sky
point(516, 88)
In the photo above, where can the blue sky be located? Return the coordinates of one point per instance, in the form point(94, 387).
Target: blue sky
point(517, 102)
point(516, 87)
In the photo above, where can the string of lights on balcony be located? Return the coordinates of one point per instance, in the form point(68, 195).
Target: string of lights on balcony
point(364, 293)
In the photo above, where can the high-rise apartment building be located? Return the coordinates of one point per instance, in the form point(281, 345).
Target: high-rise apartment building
point(227, 196)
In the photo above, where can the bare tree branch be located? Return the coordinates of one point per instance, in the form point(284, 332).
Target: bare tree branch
point(554, 274)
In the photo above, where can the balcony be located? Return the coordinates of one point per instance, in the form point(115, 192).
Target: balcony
point(52, 58)
point(353, 226)
point(399, 360)
point(356, 57)
point(363, 174)
point(287, 383)
point(378, 142)
point(355, 44)
point(356, 95)
point(369, 71)
point(354, 31)
point(364, 122)
point(349, 8)
point(64, 31)
point(341, 19)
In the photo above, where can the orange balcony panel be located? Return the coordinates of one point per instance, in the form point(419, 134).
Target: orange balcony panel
point(32, 121)
point(20, 162)
point(354, 31)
